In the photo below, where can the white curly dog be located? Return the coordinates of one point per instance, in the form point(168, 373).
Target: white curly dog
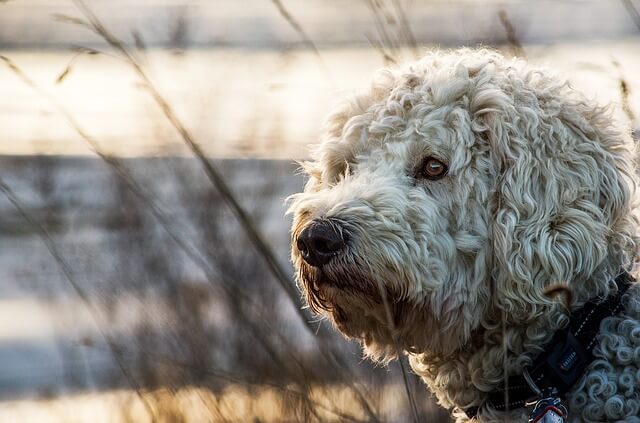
point(445, 206)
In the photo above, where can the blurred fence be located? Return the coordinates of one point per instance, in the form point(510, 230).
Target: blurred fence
point(172, 325)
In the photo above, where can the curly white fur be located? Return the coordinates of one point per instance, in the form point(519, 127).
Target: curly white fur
point(540, 189)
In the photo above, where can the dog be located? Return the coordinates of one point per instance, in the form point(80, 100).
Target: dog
point(442, 208)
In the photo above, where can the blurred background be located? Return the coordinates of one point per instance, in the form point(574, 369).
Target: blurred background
point(146, 149)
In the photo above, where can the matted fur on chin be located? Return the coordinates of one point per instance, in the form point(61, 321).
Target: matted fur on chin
point(536, 187)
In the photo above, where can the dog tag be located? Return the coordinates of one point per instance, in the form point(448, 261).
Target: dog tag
point(548, 410)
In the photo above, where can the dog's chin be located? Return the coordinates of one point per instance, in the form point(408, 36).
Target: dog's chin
point(352, 301)
point(343, 295)
point(356, 315)
point(331, 291)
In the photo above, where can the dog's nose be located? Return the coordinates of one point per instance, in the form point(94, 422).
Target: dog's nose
point(320, 242)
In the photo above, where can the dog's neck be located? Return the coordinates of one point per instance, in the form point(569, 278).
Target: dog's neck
point(492, 352)
point(497, 349)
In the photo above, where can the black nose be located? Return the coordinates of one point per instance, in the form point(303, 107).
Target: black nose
point(320, 242)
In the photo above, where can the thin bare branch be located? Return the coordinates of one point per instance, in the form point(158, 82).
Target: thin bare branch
point(405, 26)
point(67, 70)
point(625, 93)
point(387, 57)
point(296, 26)
point(72, 20)
point(512, 37)
point(139, 41)
point(633, 11)
point(307, 41)
point(382, 27)
point(398, 351)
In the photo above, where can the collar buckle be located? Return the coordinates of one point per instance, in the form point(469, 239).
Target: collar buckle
point(548, 410)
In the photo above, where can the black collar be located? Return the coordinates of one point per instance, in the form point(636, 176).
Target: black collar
point(565, 358)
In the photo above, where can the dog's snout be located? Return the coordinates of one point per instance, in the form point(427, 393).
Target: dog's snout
point(320, 242)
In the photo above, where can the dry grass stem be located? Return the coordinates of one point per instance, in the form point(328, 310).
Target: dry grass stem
point(398, 352)
point(512, 38)
point(633, 12)
point(625, 94)
point(307, 41)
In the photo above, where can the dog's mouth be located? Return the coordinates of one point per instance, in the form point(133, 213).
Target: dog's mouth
point(342, 293)
point(320, 289)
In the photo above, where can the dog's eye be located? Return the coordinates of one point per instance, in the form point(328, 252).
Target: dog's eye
point(432, 169)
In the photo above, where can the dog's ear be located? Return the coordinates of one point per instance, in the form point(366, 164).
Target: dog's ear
point(562, 205)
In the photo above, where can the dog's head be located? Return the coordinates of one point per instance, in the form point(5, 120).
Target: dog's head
point(457, 186)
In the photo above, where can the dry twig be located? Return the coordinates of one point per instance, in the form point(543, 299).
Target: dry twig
point(293, 22)
point(512, 38)
point(625, 94)
point(633, 12)
point(398, 351)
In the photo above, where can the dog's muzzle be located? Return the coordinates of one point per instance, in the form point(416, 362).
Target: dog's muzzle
point(320, 242)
